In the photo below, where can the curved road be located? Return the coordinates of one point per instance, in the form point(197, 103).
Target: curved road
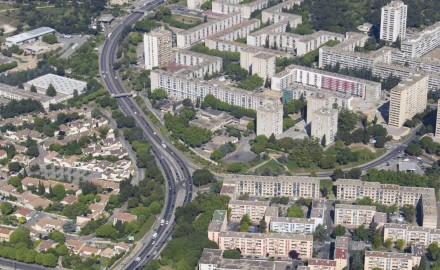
point(176, 172)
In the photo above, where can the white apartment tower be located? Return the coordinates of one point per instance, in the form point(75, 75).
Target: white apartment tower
point(157, 48)
point(325, 123)
point(393, 21)
point(437, 126)
point(270, 120)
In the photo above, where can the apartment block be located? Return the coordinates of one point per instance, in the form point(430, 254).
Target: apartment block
point(196, 34)
point(257, 62)
point(275, 14)
point(324, 124)
point(410, 234)
point(327, 81)
point(422, 42)
point(197, 65)
point(389, 260)
point(212, 259)
point(321, 264)
point(292, 225)
point(180, 87)
point(340, 253)
point(219, 223)
point(437, 121)
point(157, 48)
point(393, 21)
point(194, 4)
point(354, 215)
point(273, 244)
point(226, 6)
point(270, 186)
point(407, 99)
point(254, 209)
point(269, 120)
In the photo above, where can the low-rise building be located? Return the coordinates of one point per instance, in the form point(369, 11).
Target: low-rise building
point(123, 217)
point(28, 37)
point(5, 233)
point(321, 264)
point(48, 224)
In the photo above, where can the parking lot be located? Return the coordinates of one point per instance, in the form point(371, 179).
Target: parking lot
point(419, 164)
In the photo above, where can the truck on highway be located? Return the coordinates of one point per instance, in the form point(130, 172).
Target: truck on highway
point(155, 235)
point(162, 222)
point(109, 34)
point(75, 46)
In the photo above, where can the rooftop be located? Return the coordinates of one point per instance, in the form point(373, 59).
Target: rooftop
point(30, 34)
point(61, 84)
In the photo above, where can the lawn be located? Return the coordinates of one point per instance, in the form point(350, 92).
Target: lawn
point(273, 166)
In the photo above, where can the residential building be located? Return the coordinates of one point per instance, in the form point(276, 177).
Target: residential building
point(325, 80)
point(393, 21)
point(270, 120)
point(340, 253)
point(118, 2)
point(179, 87)
point(292, 225)
point(437, 123)
point(157, 48)
point(270, 186)
point(5, 233)
point(389, 260)
point(349, 215)
point(256, 61)
point(274, 244)
point(48, 224)
point(28, 37)
point(407, 99)
point(422, 42)
point(197, 65)
point(195, 4)
point(254, 209)
point(212, 259)
point(411, 234)
point(123, 217)
point(219, 223)
point(321, 264)
point(324, 125)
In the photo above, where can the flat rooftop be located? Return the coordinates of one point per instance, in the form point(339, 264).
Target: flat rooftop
point(61, 84)
point(30, 34)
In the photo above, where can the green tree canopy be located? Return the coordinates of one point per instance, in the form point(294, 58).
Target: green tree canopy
point(50, 91)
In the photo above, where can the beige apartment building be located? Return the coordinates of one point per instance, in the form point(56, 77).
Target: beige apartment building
point(274, 244)
point(321, 264)
point(197, 65)
point(324, 124)
point(254, 209)
point(255, 61)
point(411, 234)
point(271, 186)
point(407, 99)
point(270, 120)
point(437, 122)
point(157, 48)
point(340, 254)
point(354, 215)
point(390, 260)
point(393, 21)
point(292, 225)
point(219, 223)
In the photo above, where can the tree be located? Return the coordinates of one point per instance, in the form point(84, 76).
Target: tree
point(14, 181)
point(409, 212)
point(51, 92)
point(58, 192)
point(388, 243)
point(400, 244)
point(234, 167)
point(231, 254)
point(356, 262)
point(414, 149)
point(6, 208)
point(20, 235)
point(62, 250)
point(360, 234)
point(434, 251)
point(33, 89)
point(69, 227)
point(88, 187)
point(14, 167)
point(50, 38)
point(202, 177)
point(323, 141)
point(263, 226)
point(319, 234)
point(354, 173)
point(57, 237)
point(187, 102)
point(338, 231)
point(205, 19)
point(295, 211)
point(107, 231)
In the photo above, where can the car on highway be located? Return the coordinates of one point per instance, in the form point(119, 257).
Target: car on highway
point(138, 259)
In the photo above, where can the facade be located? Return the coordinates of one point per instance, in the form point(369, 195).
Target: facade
point(324, 124)
point(179, 87)
point(393, 21)
point(270, 186)
point(422, 42)
point(219, 223)
point(437, 122)
point(258, 62)
point(292, 225)
point(197, 65)
point(274, 244)
point(157, 48)
point(270, 120)
point(327, 81)
point(407, 99)
point(411, 234)
point(196, 34)
point(321, 264)
point(254, 209)
point(389, 260)
point(340, 253)
point(28, 37)
point(354, 215)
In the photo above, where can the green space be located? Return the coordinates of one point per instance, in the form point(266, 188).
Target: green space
point(271, 167)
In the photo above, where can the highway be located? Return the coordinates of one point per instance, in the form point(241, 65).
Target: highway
point(176, 172)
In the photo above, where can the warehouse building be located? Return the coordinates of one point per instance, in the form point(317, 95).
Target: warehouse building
point(28, 37)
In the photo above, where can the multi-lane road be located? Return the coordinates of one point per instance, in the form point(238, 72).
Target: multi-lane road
point(176, 172)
